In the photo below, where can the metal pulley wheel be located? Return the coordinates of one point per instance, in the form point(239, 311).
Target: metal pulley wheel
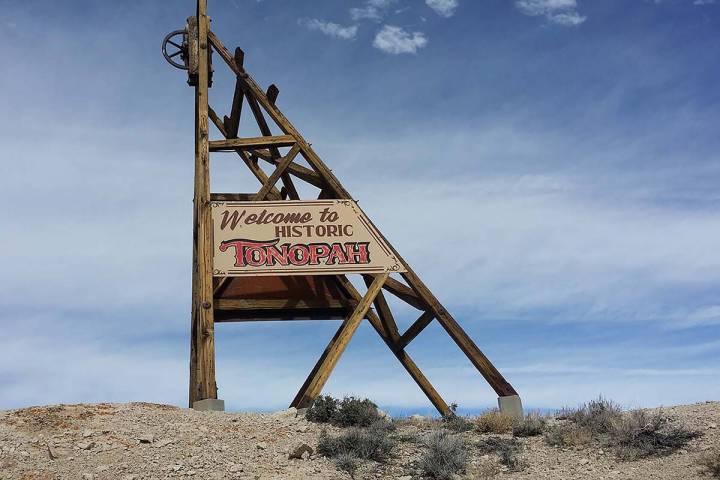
point(175, 45)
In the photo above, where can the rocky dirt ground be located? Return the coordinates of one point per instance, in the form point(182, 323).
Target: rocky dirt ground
point(145, 441)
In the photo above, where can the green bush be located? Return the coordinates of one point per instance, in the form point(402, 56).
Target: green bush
point(354, 412)
point(445, 457)
point(322, 410)
point(348, 412)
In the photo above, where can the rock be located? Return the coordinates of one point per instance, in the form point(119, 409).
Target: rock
point(712, 425)
point(584, 461)
point(303, 451)
point(85, 445)
point(236, 468)
point(406, 477)
point(417, 418)
point(87, 433)
point(302, 428)
point(146, 438)
point(88, 476)
point(261, 446)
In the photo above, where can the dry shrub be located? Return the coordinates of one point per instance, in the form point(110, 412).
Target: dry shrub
point(711, 464)
point(494, 422)
point(632, 435)
point(568, 435)
point(639, 434)
point(531, 426)
point(508, 449)
point(445, 457)
point(372, 443)
point(347, 463)
point(485, 470)
point(456, 423)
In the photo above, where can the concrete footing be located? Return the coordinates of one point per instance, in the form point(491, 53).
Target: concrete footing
point(209, 405)
point(511, 405)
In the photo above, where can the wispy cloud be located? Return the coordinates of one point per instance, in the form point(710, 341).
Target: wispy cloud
point(396, 40)
point(329, 28)
point(444, 8)
point(371, 10)
point(561, 12)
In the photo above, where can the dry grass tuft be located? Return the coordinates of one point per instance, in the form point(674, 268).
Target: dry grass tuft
point(508, 449)
point(711, 464)
point(494, 422)
point(531, 426)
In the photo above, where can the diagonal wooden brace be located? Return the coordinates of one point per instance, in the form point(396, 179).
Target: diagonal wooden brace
point(318, 377)
point(275, 176)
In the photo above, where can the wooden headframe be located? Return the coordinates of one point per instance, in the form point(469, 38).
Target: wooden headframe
point(243, 299)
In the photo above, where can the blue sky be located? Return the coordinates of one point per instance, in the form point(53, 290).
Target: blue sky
point(568, 150)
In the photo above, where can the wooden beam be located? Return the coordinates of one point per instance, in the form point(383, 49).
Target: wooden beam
point(272, 93)
point(404, 293)
point(401, 355)
point(276, 304)
point(384, 312)
point(313, 386)
point(230, 144)
point(414, 330)
point(252, 165)
point(294, 169)
point(231, 197)
point(232, 123)
point(203, 331)
point(275, 176)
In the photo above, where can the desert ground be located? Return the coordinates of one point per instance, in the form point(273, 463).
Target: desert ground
point(147, 441)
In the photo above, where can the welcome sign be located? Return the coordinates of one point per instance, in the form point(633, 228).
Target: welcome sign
point(317, 237)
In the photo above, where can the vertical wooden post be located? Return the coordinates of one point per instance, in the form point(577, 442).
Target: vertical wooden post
point(202, 357)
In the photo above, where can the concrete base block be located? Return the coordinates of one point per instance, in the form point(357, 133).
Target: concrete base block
point(209, 405)
point(511, 405)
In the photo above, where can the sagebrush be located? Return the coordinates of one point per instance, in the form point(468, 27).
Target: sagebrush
point(372, 443)
point(348, 412)
point(530, 426)
point(445, 457)
point(508, 449)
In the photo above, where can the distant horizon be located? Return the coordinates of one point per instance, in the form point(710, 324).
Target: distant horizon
point(550, 170)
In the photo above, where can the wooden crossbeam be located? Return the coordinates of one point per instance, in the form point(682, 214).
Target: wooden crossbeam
point(275, 304)
point(294, 169)
point(315, 382)
point(404, 293)
point(248, 143)
point(232, 123)
point(410, 367)
point(252, 165)
point(386, 316)
point(414, 330)
point(275, 176)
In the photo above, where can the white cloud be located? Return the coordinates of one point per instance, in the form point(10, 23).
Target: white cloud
point(703, 2)
point(371, 10)
point(561, 12)
point(444, 8)
point(329, 28)
point(395, 40)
